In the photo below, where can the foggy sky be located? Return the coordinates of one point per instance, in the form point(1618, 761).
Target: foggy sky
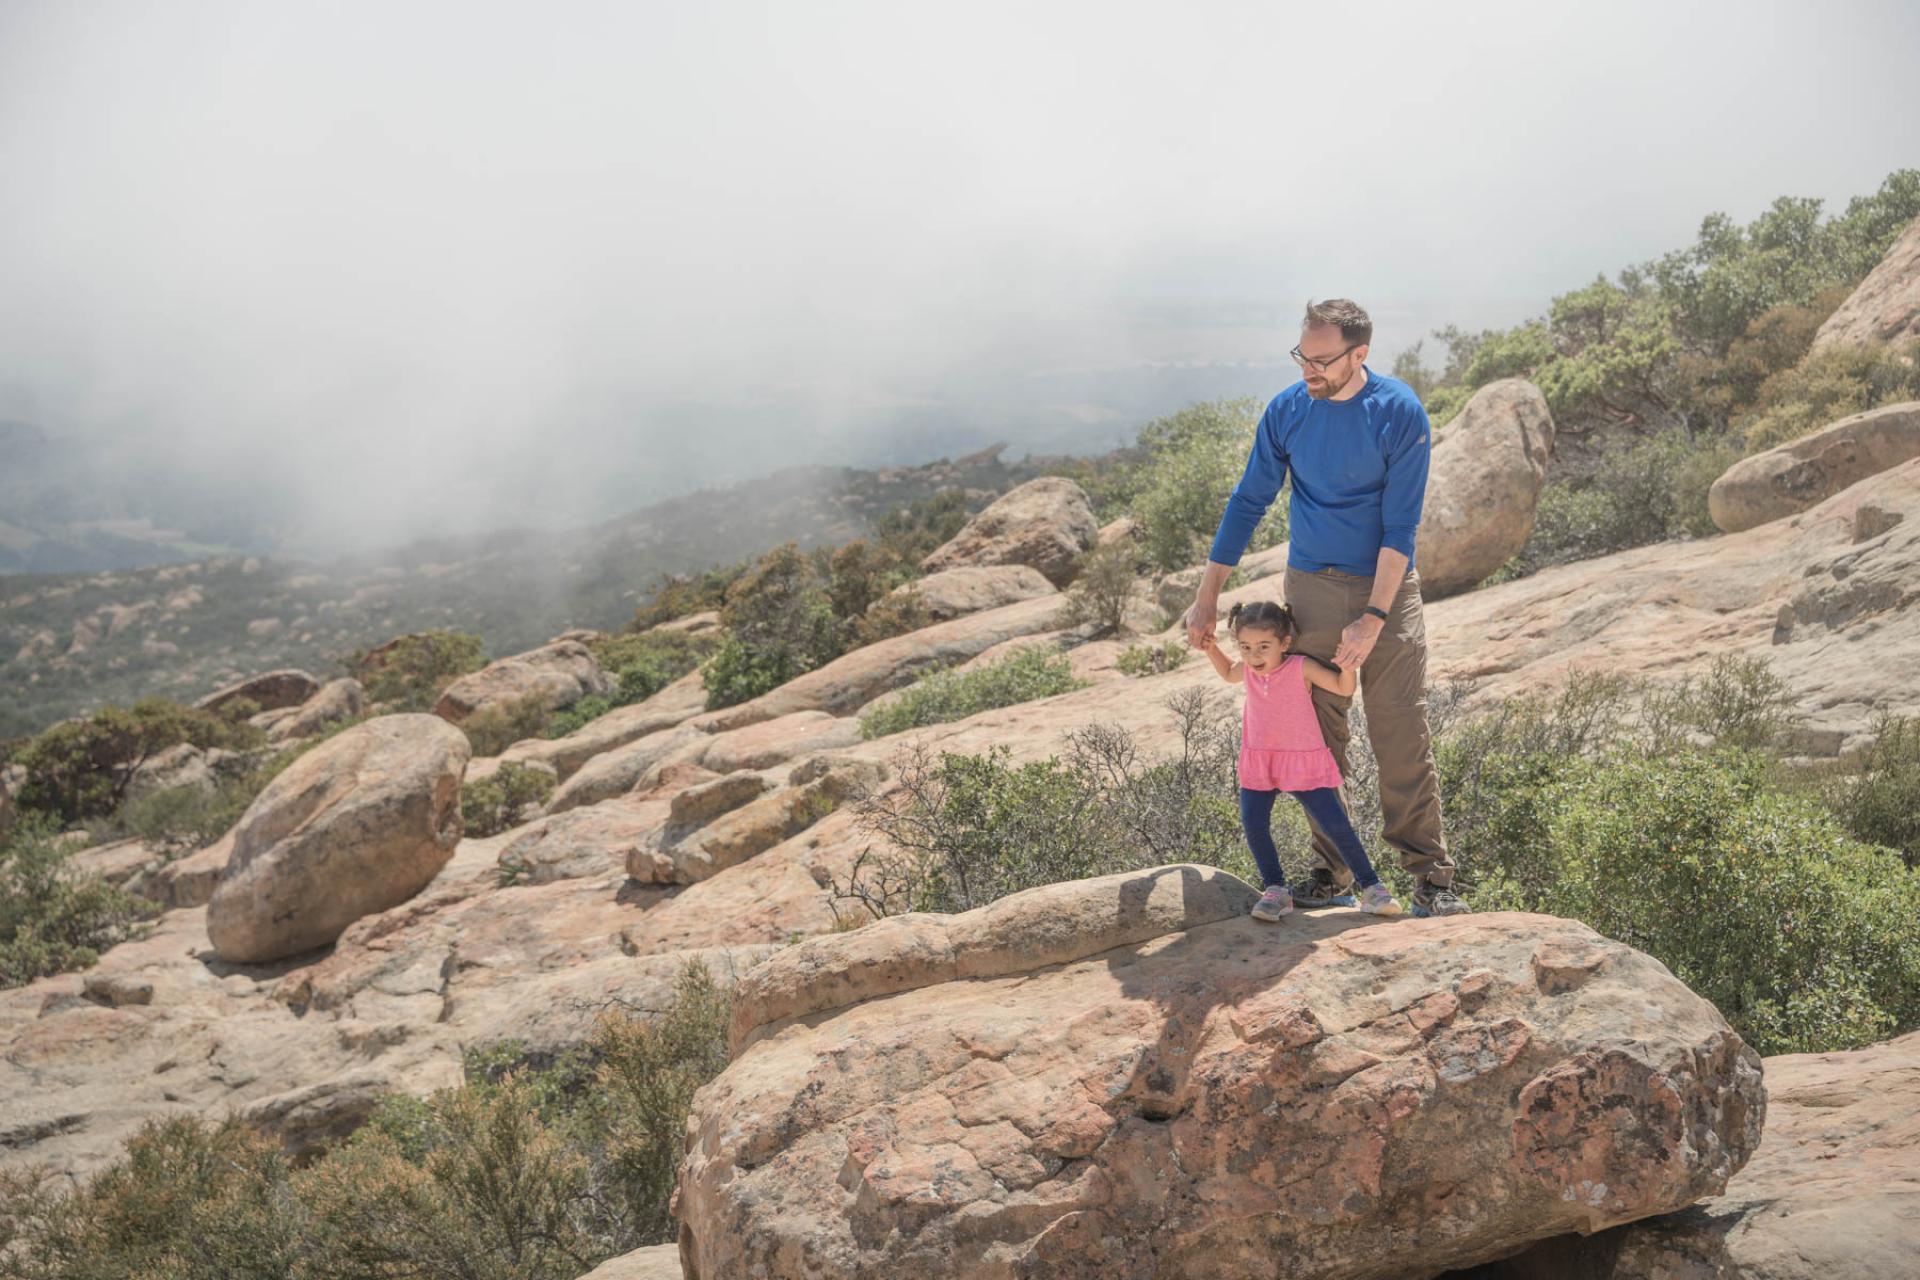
point(385, 270)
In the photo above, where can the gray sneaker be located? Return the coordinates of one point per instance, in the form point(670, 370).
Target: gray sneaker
point(1437, 900)
point(1378, 900)
point(1319, 890)
point(1273, 904)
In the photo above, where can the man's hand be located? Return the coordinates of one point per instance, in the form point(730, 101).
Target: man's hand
point(1200, 619)
point(1356, 642)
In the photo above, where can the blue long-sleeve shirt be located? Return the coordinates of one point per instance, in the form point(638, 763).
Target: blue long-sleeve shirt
point(1359, 471)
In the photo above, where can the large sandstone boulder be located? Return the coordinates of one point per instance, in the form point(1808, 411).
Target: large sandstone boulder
point(1886, 306)
point(1833, 1193)
point(1483, 486)
point(357, 825)
point(1045, 523)
point(1796, 475)
point(559, 674)
point(971, 588)
point(1333, 1096)
point(338, 701)
point(270, 691)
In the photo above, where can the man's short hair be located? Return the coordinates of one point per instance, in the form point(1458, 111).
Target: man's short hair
point(1355, 326)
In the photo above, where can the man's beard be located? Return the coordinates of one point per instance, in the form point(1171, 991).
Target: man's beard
point(1329, 389)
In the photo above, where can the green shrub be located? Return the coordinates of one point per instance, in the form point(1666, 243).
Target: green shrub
point(52, 920)
point(1801, 937)
point(891, 615)
point(1191, 461)
point(409, 673)
point(1877, 795)
point(1102, 590)
point(496, 728)
point(681, 595)
point(917, 530)
point(1152, 659)
point(188, 1200)
point(177, 820)
point(965, 830)
point(80, 769)
point(528, 1171)
point(780, 624)
point(493, 804)
point(1647, 491)
point(643, 664)
point(1028, 673)
point(1827, 386)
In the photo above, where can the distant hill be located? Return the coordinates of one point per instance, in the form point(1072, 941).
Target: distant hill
point(74, 641)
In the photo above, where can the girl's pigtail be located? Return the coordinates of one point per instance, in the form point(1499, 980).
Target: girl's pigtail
point(1233, 616)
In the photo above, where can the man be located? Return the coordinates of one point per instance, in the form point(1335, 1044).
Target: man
point(1356, 444)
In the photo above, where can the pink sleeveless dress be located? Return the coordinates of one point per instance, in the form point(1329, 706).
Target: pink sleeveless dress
point(1281, 748)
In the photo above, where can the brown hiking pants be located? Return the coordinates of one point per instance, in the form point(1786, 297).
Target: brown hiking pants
point(1393, 688)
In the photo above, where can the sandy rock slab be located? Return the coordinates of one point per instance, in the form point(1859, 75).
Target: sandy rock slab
point(1361, 1098)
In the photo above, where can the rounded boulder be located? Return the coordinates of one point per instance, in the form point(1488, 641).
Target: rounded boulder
point(355, 826)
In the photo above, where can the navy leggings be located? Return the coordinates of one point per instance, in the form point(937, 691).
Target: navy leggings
point(1324, 807)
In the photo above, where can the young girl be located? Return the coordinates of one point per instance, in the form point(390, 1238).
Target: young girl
point(1281, 749)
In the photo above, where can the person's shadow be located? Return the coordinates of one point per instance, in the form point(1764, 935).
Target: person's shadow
point(1207, 964)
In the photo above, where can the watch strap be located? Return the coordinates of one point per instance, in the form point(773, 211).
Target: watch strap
point(1376, 611)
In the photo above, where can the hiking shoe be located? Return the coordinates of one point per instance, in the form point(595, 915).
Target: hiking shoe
point(1320, 891)
point(1273, 904)
point(1437, 900)
point(1378, 900)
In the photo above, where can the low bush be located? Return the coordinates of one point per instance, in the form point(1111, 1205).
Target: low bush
point(1102, 590)
point(52, 920)
point(496, 728)
point(1028, 673)
point(780, 624)
point(410, 672)
point(965, 830)
point(494, 804)
point(80, 769)
point(528, 1171)
point(892, 615)
point(1152, 659)
point(1829, 385)
point(1876, 792)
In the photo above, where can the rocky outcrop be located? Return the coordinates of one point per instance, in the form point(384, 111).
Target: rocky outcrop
point(703, 840)
point(268, 691)
point(1362, 1099)
point(558, 674)
point(1483, 486)
point(593, 841)
point(775, 742)
point(1886, 306)
point(337, 702)
point(181, 765)
point(971, 588)
point(1045, 523)
point(189, 881)
point(355, 826)
point(1795, 476)
point(1833, 1193)
point(679, 701)
point(854, 679)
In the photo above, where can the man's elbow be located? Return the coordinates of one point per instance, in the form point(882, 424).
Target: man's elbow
point(1400, 537)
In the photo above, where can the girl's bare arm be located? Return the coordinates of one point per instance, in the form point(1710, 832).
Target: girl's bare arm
point(1229, 670)
point(1318, 673)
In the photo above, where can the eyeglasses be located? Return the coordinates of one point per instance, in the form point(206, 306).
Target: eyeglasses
point(1318, 366)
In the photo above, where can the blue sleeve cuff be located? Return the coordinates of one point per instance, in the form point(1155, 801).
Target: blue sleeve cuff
point(1401, 538)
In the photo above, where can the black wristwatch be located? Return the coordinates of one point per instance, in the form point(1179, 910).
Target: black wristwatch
point(1376, 611)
